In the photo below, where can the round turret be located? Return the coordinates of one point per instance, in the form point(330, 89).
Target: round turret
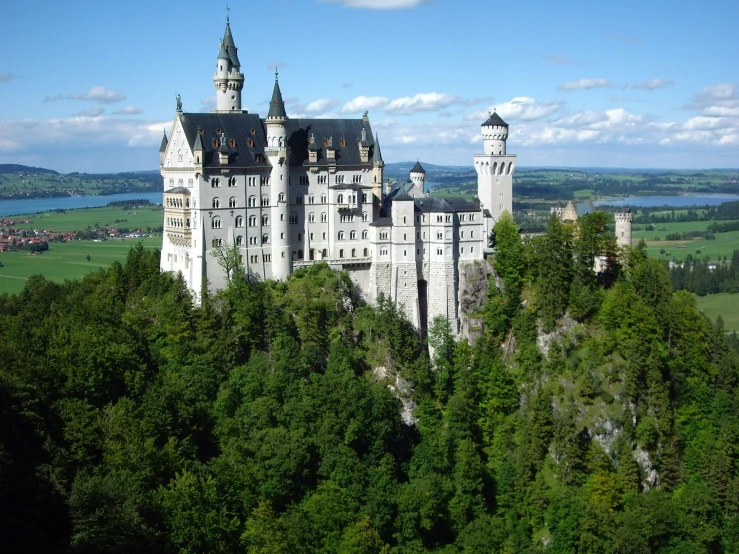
point(623, 228)
point(494, 135)
point(228, 79)
point(418, 177)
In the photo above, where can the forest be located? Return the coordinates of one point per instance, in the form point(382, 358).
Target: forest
point(599, 413)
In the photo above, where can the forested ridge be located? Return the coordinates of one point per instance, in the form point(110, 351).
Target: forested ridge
point(598, 413)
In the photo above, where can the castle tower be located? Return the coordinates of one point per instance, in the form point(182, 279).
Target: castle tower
point(228, 78)
point(623, 228)
point(418, 178)
point(494, 169)
point(377, 171)
point(277, 152)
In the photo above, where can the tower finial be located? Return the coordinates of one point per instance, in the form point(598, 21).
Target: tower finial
point(276, 73)
point(228, 9)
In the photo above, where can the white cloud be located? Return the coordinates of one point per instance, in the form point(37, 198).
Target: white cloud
point(6, 77)
point(82, 131)
point(129, 110)
point(519, 108)
point(321, 105)
point(96, 94)
point(208, 103)
point(364, 103)
point(380, 4)
point(560, 60)
point(717, 100)
point(583, 84)
point(654, 84)
point(99, 94)
point(95, 111)
point(420, 103)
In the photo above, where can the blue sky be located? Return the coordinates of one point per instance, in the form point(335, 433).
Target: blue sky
point(89, 86)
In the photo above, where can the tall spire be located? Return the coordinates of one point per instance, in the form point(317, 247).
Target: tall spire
point(163, 146)
point(228, 79)
point(229, 46)
point(377, 156)
point(276, 105)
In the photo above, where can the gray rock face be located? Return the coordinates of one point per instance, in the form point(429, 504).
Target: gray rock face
point(473, 291)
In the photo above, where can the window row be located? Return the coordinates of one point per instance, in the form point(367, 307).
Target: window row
point(352, 235)
point(174, 222)
point(177, 203)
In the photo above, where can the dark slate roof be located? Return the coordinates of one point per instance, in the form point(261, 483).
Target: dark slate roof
point(382, 222)
point(228, 43)
point(163, 147)
point(400, 192)
point(276, 105)
point(495, 121)
point(299, 132)
point(451, 204)
point(418, 168)
point(177, 190)
point(198, 145)
point(377, 157)
point(237, 126)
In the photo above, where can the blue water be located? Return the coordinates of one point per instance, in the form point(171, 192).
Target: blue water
point(673, 201)
point(36, 205)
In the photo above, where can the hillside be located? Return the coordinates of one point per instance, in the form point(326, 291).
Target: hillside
point(594, 415)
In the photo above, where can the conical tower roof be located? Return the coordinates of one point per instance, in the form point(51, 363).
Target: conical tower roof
point(198, 142)
point(165, 142)
point(495, 121)
point(418, 168)
point(276, 105)
point(229, 46)
point(377, 156)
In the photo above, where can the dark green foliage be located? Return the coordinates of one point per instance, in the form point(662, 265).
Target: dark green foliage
point(268, 419)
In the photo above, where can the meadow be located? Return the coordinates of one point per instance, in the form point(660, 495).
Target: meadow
point(724, 304)
point(67, 260)
point(75, 220)
point(723, 245)
point(32, 184)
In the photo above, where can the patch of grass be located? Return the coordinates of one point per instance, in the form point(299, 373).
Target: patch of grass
point(67, 260)
point(723, 245)
point(75, 220)
point(724, 304)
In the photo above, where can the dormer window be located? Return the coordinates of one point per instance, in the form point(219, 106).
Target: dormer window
point(343, 142)
point(216, 143)
point(250, 142)
point(232, 143)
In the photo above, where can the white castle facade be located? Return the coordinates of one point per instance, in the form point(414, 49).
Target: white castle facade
point(288, 193)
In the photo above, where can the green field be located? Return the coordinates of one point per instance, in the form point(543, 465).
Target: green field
point(73, 220)
point(66, 260)
point(723, 245)
point(724, 304)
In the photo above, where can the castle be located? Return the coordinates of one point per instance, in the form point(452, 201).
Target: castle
point(288, 193)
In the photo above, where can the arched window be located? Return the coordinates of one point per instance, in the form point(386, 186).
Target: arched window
point(324, 253)
point(354, 252)
point(239, 241)
point(341, 253)
point(232, 202)
point(352, 235)
point(281, 197)
point(300, 254)
point(312, 254)
point(365, 216)
point(341, 235)
point(365, 234)
point(366, 252)
point(239, 221)
point(299, 199)
point(216, 202)
point(216, 242)
point(265, 238)
point(252, 221)
point(215, 223)
point(340, 199)
point(215, 182)
point(252, 201)
point(311, 199)
point(265, 220)
point(323, 199)
point(265, 201)
point(324, 217)
point(311, 217)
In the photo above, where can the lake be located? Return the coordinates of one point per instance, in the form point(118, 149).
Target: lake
point(672, 201)
point(36, 205)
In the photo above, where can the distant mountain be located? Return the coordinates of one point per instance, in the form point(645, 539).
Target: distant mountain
point(17, 168)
